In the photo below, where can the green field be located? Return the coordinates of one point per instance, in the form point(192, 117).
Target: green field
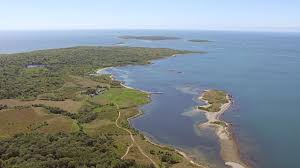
point(125, 97)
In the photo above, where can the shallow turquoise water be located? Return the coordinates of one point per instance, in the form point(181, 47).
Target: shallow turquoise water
point(260, 70)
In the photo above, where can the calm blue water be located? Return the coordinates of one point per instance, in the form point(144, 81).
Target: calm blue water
point(260, 70)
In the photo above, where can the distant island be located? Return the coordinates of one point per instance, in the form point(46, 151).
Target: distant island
point(200, 41)
point(150, 38)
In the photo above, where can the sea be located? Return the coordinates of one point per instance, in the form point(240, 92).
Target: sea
point(261, 70)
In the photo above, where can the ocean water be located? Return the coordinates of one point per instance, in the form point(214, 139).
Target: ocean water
point(260, 70)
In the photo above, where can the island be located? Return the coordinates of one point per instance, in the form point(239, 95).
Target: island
point(218, 102)
point(57, 111)
point(150, 38)
point(199, 41)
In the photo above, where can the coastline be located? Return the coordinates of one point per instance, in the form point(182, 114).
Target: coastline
point(229, 149)
point(155, 143)
point(98, 72)
point(180, 152)
point(148, 139)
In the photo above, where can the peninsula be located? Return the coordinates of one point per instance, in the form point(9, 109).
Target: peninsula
point(55, 110)
point(217, 102)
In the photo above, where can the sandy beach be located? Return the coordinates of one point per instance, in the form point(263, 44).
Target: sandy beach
point(229, 149)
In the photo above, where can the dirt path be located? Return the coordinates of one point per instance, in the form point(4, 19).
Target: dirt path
point(133, 142)
point(127, 151)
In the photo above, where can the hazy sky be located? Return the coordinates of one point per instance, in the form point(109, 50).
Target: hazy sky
point(274, 15)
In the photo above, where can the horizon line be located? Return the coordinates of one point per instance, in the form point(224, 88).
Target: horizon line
point(159, 29)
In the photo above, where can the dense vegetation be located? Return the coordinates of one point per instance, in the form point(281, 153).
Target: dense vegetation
point(61, 151)
point(26, 75)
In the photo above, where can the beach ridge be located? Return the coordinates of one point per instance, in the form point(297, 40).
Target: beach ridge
point(229, 149)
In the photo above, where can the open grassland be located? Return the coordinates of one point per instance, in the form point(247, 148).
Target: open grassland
point(126, 114)
point(68, 105)
point(215, 100)
point(54, 112)
point(27, 120)
point(125, 98)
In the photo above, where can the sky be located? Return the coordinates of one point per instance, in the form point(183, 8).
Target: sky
point(248, 15)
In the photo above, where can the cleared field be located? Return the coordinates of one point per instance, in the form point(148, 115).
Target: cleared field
point(124, 97)
point(81, 81)
point(15, 121)
point(104, 123)
point(68, 105)
point(99, 127)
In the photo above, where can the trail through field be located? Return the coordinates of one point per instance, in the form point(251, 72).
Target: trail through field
point(133, 142)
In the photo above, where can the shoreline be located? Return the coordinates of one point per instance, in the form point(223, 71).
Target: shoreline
point(229, 149)
point(180, 152)
point(148, 139)
point(98, 72)
point(155, 143)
